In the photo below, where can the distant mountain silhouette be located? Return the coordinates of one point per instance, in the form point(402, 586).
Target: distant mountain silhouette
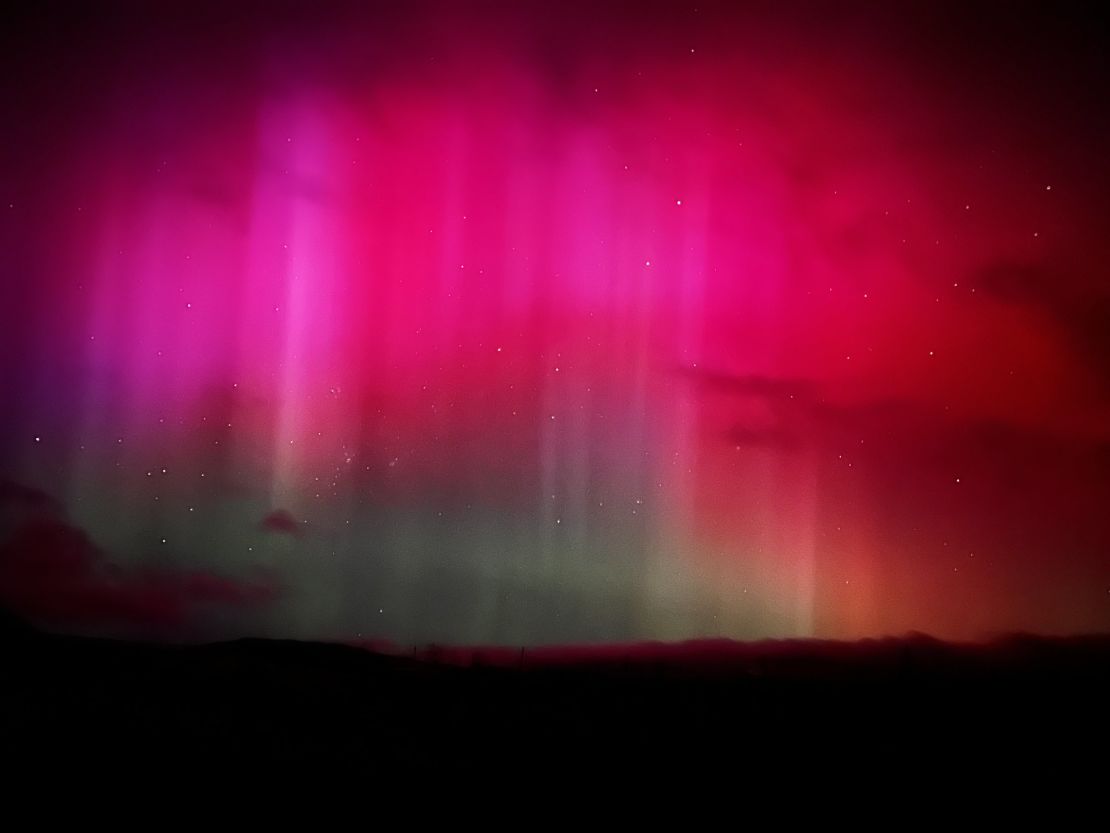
point(263, 709)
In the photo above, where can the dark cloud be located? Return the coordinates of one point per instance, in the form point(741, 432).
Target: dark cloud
point(756, 385)
point(282, 520)
point(27, 497)
point(799, 413)
point(52, 572)
point(21, 501)
point(781, 422)
point(764, 437)
point(1000, 486)
point(1076, 305)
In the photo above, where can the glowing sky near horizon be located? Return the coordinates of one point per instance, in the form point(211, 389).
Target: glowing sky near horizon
point(497, 327)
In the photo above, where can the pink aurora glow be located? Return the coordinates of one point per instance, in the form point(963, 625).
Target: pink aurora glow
point(699, 338)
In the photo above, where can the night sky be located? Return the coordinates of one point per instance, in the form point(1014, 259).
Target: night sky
point(555, 323)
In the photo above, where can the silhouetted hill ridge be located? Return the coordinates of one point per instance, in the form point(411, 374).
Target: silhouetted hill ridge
point(263, 708)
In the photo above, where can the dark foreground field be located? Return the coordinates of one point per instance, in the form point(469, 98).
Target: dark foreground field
point(72, 707)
